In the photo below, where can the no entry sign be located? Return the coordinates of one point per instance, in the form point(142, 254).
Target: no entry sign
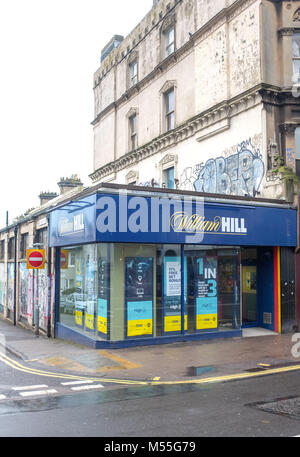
point(64, 259)
point(35, 259)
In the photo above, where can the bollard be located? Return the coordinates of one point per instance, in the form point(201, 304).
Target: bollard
point(36, 320)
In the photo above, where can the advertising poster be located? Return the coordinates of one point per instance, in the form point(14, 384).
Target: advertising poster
point(206, 292)
point(139, 296)
point(103, 296)
point(90, 294)
point(2, 288)
point(79, 309)
point(172, 294)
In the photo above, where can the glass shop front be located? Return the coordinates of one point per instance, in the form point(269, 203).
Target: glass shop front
point(129, 293)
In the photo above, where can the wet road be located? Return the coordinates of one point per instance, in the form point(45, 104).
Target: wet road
point(107, 410)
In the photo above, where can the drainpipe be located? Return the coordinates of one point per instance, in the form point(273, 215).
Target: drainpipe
point(49, 282)
point(15, 276)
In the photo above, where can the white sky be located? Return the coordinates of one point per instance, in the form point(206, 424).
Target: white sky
point(49, 51)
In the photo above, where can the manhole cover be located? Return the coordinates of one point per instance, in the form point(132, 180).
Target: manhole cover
point(289, 407)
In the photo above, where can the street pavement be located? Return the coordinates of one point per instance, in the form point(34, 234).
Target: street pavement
point(178, 362)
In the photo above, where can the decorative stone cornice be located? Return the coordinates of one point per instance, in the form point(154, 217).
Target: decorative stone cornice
point(225, 110)
point(288, 127)
point(296, 16)
point(227, 14)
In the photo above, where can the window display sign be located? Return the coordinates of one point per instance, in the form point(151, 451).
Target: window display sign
point(206, 292)
point(139, 296)
point(103, 296)
point(91, 295)
point(172, 295)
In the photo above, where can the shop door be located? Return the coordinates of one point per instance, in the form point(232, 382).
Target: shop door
point(250, 316)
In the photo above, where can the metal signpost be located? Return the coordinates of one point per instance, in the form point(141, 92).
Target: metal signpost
point(36, 261)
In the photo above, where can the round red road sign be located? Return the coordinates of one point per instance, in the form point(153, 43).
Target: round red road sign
point(63, 259)
point(35, 259)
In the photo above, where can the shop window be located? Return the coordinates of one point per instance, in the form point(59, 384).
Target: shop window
point(213, 285)
point(119, 292)
point(297, 150)
point(296, 58)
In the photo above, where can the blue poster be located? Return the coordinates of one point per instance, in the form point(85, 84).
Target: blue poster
point(206, 293)
point(139, 296)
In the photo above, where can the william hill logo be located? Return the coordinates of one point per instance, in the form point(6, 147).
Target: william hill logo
point(181, 222)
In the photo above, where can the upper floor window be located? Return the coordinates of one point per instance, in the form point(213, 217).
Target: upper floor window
point(2, 248)
point(296, 58)
point(11, 248)
point(23, 245)
point(168, 36)
point(169, 41)
point(170, 109)
point(169, 175)
point(133, 73)
point(132, 132)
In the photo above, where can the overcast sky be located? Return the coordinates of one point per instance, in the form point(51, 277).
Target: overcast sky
point(49, 52)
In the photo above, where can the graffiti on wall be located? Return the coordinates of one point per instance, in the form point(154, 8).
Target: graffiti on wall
point(239, 172)
point(10, 285)
point(2, 288)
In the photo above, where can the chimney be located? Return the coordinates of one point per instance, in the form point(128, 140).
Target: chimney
point(114, 43)
point(66, 184)
point(46, 197)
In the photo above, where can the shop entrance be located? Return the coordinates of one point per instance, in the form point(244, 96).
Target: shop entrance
point(250, 314)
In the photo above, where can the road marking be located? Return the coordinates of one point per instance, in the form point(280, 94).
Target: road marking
point(42, 386)
point(73, 383)
point(230, 377)
point(123, 362)
point(94, 386)
point(38, 392)
point(2, 397)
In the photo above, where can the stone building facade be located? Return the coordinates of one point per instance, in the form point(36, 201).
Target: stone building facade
point(203, 95)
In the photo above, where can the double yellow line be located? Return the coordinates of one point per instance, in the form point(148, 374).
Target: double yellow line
point(231, 377)
point(18, 366)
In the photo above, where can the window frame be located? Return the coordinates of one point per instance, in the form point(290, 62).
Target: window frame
point(133, 73)
point(169, 110)
point(295, 58)
point(169, 45)
point(132, 132)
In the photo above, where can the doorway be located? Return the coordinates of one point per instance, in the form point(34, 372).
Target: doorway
point(250, 315)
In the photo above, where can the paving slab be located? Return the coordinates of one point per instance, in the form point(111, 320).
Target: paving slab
point(188, 360)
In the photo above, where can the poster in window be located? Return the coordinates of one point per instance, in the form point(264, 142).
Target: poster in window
point(206, 293)
point(139, 296)
point(90, 299)
point(103, 296)
point(172, 294)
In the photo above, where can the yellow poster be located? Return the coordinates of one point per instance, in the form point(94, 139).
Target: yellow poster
point(139, 327)
point(89, 321)
point(102, 325)
point(207, 321)
point(79, 317)
point(173, 323)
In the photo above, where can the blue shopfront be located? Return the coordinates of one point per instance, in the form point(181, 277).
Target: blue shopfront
point(145, 267)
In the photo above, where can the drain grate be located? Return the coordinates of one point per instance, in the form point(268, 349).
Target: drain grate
point(289, 407)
